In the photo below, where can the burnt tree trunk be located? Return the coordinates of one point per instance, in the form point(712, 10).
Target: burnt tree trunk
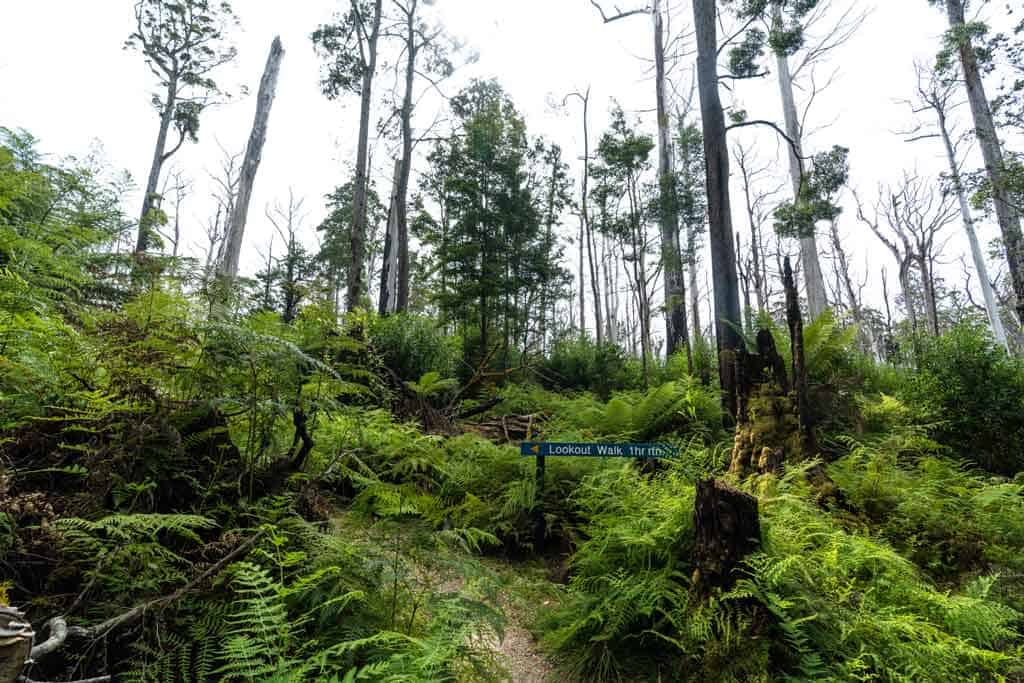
point(726, 529)
point(766, 421)
point(774, 423)
point(808, 442)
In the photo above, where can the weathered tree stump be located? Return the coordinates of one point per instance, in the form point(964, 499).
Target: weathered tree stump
point(767, 426)
point(727, 529)
point(773, 424)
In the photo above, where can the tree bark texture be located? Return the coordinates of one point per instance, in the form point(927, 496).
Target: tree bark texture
point(984, 126)
point(676, 334)
point(355, 285)
point(159, 157)
point(251, 163)
point(795, 322)
point(15, 643)
point(814, 280)
point(720, 234)
point(727, 529)
point(390, 267)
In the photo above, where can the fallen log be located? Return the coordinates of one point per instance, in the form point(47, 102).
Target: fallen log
point(507, 428)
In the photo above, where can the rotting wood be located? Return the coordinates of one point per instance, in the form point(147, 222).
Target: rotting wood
point(727, 529)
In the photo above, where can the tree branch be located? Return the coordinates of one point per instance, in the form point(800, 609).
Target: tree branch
point(59, 629)
point(621, 14)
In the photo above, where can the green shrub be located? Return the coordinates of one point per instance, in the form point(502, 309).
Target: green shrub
point(581, 364)
point(974, 393)
point(682, 408)
point(413, 345)
point(906, 488)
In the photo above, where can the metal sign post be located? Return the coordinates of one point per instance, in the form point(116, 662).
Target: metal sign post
point(542, 449)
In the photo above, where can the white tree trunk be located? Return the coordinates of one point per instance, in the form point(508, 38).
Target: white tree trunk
point(814, 280)
point(1006, 214)
point(991, 307)
point(251, 163)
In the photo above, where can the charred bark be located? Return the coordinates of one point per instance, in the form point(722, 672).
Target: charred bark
point(727, 529)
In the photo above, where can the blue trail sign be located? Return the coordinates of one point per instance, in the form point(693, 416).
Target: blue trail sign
point(598, 450)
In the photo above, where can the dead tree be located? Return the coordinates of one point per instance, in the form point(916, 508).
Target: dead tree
point(251, 163)
point(915, 215)
point(808, 442)
point(935, 95)
point(726, 530)
point(585, 225)
point(292, 267)
point(177, 183)
point(758, 204)
point(852, 291)
point(773, 423)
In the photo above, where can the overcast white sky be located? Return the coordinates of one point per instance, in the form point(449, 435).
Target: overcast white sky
point(65, 77)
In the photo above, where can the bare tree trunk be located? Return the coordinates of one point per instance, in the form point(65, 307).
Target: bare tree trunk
point(928, 287)
point(814, 280)
point(676, 334)
point(251, 163)
point(716, 154)
point(611, 289)
point(391, 268)
point(991, 307)
point(698, 329)
point(583, 287)
point(587, 228)
point(744, 275)
point(757, 269)
point(358, 239)
point(1006, 214)
point(887, 350)
point(908, 297)
point(401, 206)
point(159, 157)
point(846, 281)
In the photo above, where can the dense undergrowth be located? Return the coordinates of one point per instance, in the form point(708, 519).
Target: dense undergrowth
point(149, 429)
